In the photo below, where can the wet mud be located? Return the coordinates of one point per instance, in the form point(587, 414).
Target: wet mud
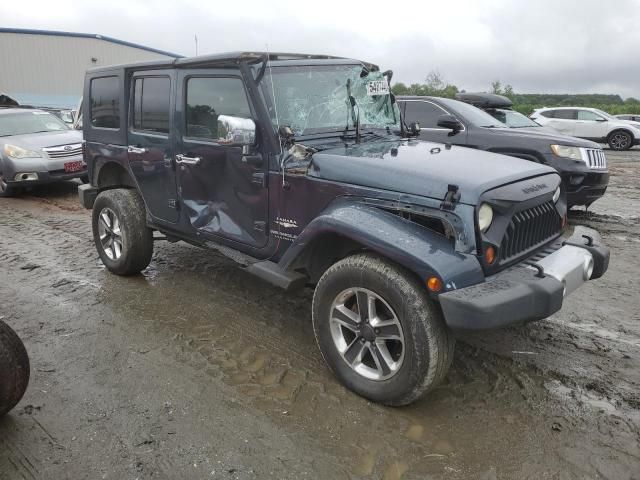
point(196, 369)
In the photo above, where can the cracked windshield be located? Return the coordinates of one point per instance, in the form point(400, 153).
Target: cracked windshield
point(316, 99)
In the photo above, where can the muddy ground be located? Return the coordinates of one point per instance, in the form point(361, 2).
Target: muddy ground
point(198, 370)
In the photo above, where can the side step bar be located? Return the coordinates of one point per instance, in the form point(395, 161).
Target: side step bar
point(272, 273)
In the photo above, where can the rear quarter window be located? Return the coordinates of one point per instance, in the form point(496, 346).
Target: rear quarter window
point(105, 102)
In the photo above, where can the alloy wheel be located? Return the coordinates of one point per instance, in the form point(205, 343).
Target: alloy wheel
point(110, 233)
point(367, 333)
point(619, 141)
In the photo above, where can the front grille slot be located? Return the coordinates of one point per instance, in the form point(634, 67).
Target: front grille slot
point(64, 151)
point(529, 229)
point(596, 158)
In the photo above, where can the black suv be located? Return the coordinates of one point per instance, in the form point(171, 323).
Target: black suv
point(299, 168)
point(581, 163)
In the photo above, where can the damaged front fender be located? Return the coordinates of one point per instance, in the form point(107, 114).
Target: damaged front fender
point(420, 250)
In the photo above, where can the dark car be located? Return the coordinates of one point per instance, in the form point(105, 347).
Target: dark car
point(299, 168)
point(580, 163)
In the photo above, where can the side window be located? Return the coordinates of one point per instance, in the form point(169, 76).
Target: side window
point(548, 113)
point(588, 115)
point(151, 97)
point(425, 113)
point(105, 102)
point(208, 97)
point(565, 114)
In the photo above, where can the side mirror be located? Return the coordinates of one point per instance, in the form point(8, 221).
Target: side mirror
point(236, 130)
point(414, 129)
point(450, 122)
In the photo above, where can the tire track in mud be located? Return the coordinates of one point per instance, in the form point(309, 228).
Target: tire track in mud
point(259, 340)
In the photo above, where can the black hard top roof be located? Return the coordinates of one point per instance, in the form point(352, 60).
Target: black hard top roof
point(234, 58)
point(485, 100)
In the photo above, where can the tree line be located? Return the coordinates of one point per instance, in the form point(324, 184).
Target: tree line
point(435, 86)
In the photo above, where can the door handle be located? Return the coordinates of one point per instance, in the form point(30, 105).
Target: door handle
point(184, 160)
point(137, 150)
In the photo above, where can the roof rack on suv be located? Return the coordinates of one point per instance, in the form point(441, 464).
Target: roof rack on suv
point(485, 100)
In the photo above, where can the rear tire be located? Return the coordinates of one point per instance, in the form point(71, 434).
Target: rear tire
point(415, 364)
point(14, 369)
point(120, 232)
point(620, 140)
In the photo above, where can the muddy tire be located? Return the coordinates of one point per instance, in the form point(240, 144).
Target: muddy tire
point(379, 332)
point(14, 369)
point(5, 189)
point(120, 232)
point(620, 140)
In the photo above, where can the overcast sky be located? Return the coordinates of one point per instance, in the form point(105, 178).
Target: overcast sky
point(543, 46)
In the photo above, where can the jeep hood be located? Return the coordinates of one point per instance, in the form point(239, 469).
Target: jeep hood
point(422, 168)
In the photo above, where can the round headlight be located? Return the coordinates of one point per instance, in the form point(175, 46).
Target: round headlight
point(485, 217)
point(556, 195)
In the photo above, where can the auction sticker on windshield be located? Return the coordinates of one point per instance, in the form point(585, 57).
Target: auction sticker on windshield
point(378, 87)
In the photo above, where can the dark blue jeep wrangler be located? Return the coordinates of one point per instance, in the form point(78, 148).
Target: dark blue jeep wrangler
point(300, 168)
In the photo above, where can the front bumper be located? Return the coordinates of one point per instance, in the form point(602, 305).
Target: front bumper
point(592, 185)
point(528, 291)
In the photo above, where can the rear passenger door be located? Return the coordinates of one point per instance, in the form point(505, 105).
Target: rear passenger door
point(150, 141)
point(564, 121)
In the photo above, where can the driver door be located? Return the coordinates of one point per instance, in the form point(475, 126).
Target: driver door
point(222, 195)
point(590, 125)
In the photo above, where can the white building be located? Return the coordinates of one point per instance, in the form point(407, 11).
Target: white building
point(46, 68)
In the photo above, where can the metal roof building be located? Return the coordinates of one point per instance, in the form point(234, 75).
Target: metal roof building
point(46, 68)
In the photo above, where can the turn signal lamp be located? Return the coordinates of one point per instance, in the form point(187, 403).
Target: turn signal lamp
point(434, 284)
point(490, 255)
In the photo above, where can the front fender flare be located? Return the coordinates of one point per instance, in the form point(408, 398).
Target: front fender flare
point(424, 252)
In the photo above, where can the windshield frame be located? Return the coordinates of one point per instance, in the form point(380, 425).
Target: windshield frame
point(347, 127)
point(9, 115)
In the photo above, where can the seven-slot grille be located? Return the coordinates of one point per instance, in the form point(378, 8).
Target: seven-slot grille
point(529, 229)
point(62, 151)
point(596, 158)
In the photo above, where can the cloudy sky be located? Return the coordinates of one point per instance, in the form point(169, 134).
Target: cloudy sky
point(557, 46)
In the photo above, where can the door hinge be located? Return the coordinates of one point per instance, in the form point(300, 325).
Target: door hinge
point(260, 226)
point(258, 178)
point(172, 203)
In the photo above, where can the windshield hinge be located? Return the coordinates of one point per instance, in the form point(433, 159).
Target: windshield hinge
point(451, 198)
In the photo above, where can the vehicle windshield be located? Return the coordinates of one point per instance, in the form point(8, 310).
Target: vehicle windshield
point(24, 123)
point(513, 119)
point(471, 114)
point(314, 99)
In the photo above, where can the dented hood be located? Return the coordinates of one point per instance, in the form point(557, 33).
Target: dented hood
point(422, 168)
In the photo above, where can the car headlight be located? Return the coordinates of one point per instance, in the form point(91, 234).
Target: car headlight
point(485, 217)
point(556, 195)
point(568, 152)
point(14, 151)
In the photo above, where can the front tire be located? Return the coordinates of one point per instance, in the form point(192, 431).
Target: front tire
point(620, 140)
point(120, 232)
point(6, 190)
point(379, 332)
point(14, 369)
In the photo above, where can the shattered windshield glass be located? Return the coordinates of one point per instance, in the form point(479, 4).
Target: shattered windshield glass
point(315, 98)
